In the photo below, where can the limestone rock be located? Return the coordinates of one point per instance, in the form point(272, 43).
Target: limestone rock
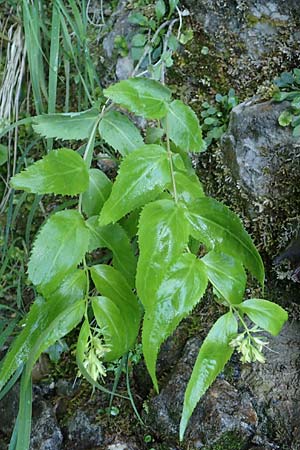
point(45, 433)
point(222, 413)
point(256, 147)
point(275, 386)
point(83, 433)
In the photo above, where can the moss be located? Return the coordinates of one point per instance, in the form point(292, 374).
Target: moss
point(252, 21)
point(230, 441)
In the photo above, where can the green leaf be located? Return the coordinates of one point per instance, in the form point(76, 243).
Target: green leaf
point(142, 176)
point(160, 9)
point(73, 285)
point(23, 421)
point(115, 326)
point(68, 126)
point(139, 40)
point(137, 18)
point(3, 154)
point(296, 102)
point(97, 193)
point(60, 245)
point(214, 354)
point(221, 229)
point(183, 127)
point(130, 223)
point(296, 131)
point(142, 96)
point(119, 132)
point(40, 316)
point(62, 172)
point(163, 234)
point(285, 118)
point(154, 135)
point(111, 284)
point(182, 287)
point(172, 6)
point(227, 275)
point(114, 237)
point(60, 325)
point(267, 315)
point(188, 188)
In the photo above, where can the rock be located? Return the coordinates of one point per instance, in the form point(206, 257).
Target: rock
point(9, 406)
point(223, 414)
point(123, 446)
point(41, 368)
point(82, 433)
point(263, 159)
point(253, 24)
point(256, 147)
point(45, 433)
point(275, 386)
point(124, 68)
point(121, 27)
point(169, 354)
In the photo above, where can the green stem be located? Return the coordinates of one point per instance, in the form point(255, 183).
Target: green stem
point(171, 163)
point(242, 321)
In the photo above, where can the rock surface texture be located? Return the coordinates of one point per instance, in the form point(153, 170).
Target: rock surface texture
point(257, 148)
point(259, 405)
point(252, 37)
point(263, 158)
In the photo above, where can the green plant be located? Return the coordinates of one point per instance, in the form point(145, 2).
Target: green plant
point(288, 89)
point(156, 184)
point(216, 116)
point(153, 46)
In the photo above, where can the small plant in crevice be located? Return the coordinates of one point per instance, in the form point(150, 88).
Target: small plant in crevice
point(288, 89)
point(157, 204)
point(159, 35)
point(215, 116)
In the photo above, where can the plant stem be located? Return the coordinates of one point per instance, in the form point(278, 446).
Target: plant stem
point(171, 163)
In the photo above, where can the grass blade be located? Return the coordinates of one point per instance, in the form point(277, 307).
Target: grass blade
point(24, 415)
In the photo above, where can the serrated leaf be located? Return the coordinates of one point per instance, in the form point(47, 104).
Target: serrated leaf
point(227, 275)
point(97, 193)
point(221, 229)
point(40, 316)
point(163, 234)
point(119, 132)
point(142, 176)
point(62, 172)
point(267, 315)
point(182, 287)
point(188, 188)
point(142, 96)
point(114, 237)
point(114, 325)
point(111, 284)
point(60, 245)
point(214, 354)
point(67, 126)
point(183, 127)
